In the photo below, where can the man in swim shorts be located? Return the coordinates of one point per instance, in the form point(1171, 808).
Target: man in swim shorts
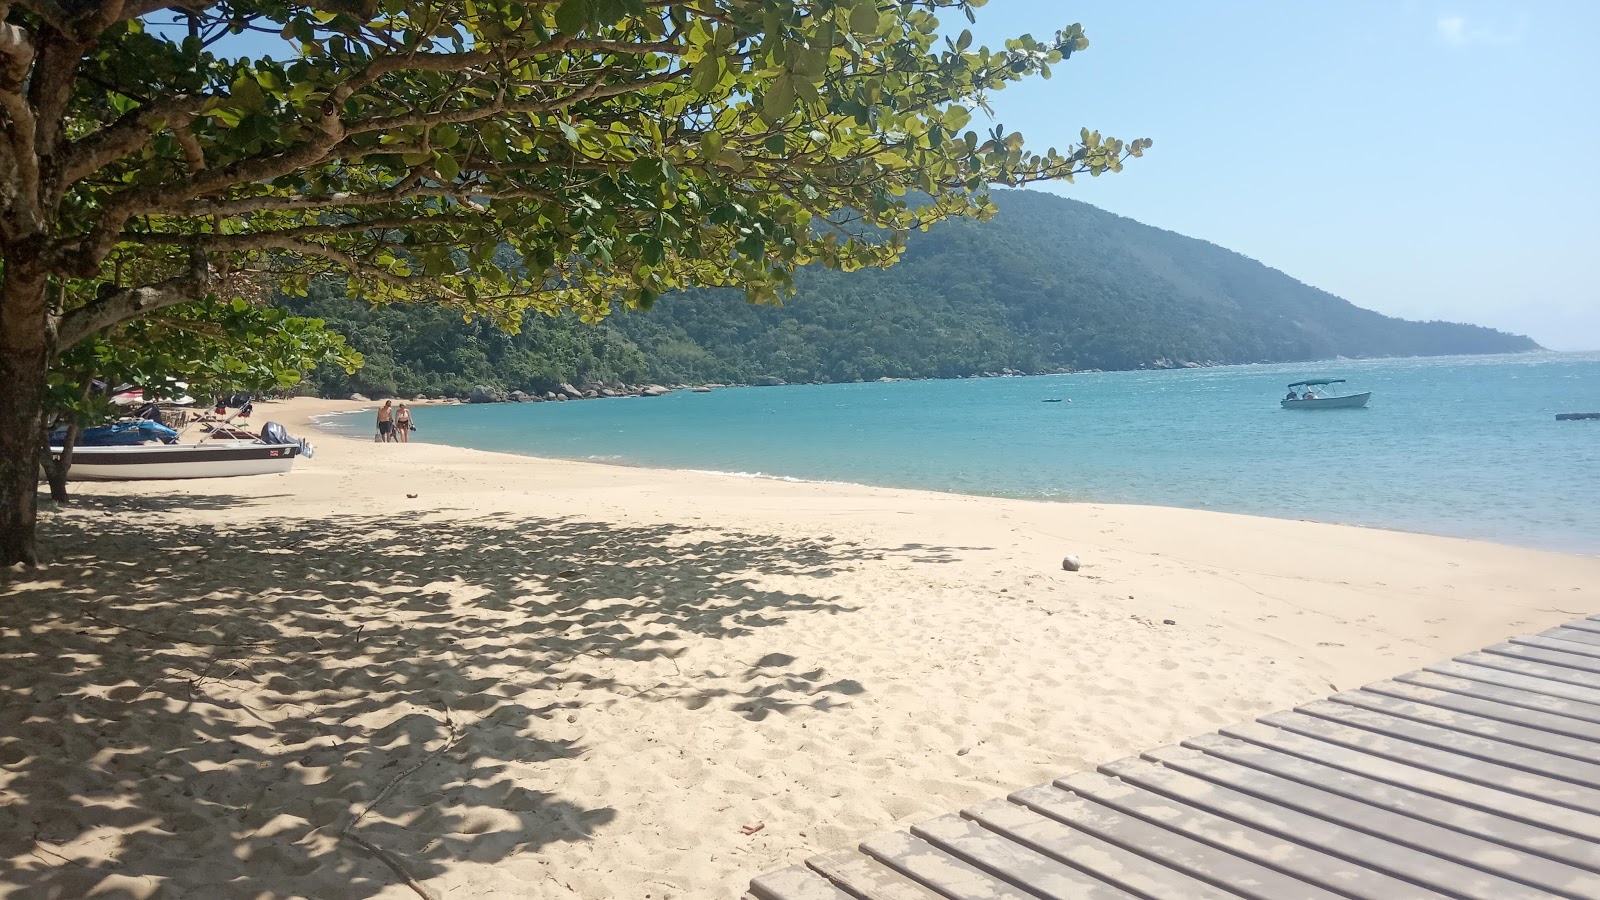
point(386, 421)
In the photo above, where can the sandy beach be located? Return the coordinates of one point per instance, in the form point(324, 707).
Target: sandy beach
point(504, 677)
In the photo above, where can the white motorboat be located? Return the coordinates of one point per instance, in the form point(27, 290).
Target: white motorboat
point(1325, 400)
point(221, 459)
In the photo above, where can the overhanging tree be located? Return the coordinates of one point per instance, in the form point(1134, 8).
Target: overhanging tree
point(209, 347)
point(495, 156)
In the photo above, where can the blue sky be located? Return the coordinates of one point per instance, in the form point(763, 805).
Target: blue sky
point(1425, 159)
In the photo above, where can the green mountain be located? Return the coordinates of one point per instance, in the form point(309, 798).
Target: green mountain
point(1050, 284)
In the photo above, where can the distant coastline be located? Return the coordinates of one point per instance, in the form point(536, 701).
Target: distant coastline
point(607, 390)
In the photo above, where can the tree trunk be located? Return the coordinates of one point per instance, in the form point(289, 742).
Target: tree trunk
point(55, 470)
point(24, 360)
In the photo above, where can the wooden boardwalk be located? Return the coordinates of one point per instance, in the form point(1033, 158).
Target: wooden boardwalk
point(1473, 778)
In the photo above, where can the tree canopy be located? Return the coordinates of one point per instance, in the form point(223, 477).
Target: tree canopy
point(494, 156)
point(617, 148)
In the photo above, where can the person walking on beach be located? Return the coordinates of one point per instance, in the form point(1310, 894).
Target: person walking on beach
point(386, 421)
point(402, 423)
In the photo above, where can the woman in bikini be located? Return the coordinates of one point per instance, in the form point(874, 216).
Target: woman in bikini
point(402, 423)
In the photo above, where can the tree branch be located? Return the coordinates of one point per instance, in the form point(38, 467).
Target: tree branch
point(116, 306)
point(90, 153)
point(595, 91)
point(352, 265)
point(17, 51)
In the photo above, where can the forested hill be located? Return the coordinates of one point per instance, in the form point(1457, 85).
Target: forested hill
point(1050, 284)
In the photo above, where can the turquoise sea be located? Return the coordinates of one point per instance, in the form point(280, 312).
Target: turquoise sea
point(1464, 446)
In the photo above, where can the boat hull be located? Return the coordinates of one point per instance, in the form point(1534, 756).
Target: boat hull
point(1352, 401)
point(165, 461)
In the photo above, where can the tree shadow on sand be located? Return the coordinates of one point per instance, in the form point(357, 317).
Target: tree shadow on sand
point(275, 706)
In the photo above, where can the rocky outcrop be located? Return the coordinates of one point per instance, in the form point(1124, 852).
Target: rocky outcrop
point(655, 390)
point(359, 398)
point(520, 397)
point(484, 394)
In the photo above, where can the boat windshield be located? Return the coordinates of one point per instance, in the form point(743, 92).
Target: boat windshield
point(1318, 389)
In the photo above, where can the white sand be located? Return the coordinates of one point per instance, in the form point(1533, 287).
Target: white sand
point(214, 679)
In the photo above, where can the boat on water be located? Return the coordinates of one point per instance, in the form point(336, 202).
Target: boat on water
point(1320, 394)
point(220, 459)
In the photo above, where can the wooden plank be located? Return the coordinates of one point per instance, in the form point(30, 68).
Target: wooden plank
point(939, 871)
point(1445, 801)
point(1467, 768)
point(795, 883)
point(1411, 830)
point(1102, 859)
point(1170, 848)
point(1358, 848)
point(1488, 709)
point(1538, 640)
point(1511, 696)
point(1573, 635)
point(1577, 661)
point(1460, 739)
point(1535, 669)
point(867, 879)
point(1448, 787)
point(1521, 682)
point(1523, 733)
point(1589, 624)
point(1015, 863)
point(1295, 859)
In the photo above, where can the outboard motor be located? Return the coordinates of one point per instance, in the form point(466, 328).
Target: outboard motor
point(273, 433)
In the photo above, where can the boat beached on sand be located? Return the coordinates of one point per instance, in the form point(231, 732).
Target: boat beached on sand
point(226, 452)
point(151, 461)
point(1313, 399)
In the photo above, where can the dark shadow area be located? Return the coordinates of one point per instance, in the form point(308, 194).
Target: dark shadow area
point(206, 710)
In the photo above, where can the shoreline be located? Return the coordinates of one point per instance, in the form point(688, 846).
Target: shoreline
point(518, 670)
point(311, 422)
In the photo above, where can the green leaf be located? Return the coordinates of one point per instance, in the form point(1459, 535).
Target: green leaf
point(864, 18)
point(445, 136)
point(779, 99)
point(645, 171)
point(572, 16)
point(707, 73)
point(446, 166)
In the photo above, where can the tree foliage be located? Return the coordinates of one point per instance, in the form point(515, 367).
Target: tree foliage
point(1049, 283)
point(212, 347)
point(616, 150)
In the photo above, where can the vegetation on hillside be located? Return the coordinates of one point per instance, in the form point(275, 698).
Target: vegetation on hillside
point(1048, 284)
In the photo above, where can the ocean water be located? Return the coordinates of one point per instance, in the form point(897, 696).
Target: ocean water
point(1462, 446)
